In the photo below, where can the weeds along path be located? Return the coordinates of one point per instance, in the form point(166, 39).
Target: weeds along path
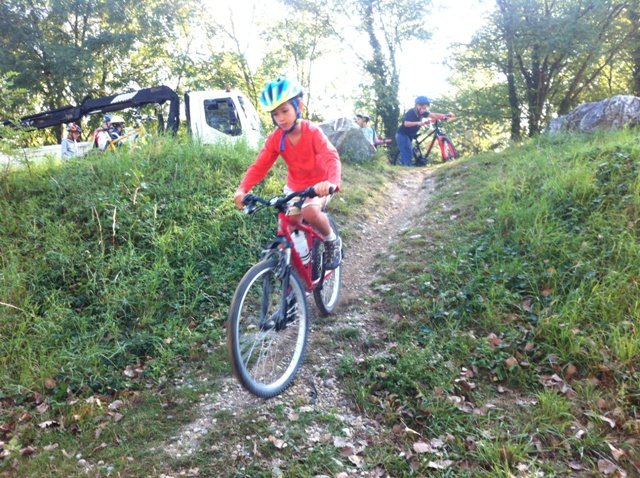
point(355, 329)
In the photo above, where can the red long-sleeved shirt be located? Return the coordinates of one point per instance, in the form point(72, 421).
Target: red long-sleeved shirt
point(311, 160)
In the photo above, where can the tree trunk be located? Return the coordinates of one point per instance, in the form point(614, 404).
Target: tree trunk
point(534, 85)
point(385, 84)
point(634, 17)
point(514, 103)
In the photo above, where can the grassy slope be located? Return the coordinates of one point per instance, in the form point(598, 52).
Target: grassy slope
point(128, 264)
point(519, 337)
point(112, 261)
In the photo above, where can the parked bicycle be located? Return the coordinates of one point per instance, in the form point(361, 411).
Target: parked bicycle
point(269, 316)
point(421, 152)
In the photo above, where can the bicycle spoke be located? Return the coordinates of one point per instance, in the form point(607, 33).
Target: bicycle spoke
point(266, 350)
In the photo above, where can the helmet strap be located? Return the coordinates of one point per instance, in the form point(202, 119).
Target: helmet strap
point(284, 135)
point(296, 106)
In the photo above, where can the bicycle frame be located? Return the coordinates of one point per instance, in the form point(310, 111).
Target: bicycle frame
point(284, 240)
point(436, 134)
point(304, 271)
point(420, 158)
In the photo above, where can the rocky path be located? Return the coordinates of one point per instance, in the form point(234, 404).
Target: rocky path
point(317, 388)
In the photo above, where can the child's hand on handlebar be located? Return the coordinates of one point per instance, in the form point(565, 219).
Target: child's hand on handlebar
point(324, 188)
point(238, 196)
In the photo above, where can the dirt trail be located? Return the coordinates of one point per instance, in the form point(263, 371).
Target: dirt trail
point(316, 386)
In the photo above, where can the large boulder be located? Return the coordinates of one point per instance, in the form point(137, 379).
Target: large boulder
point(612, 113)
point(347, 137)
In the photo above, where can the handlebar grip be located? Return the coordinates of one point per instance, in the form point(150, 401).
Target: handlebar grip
point(311, 192)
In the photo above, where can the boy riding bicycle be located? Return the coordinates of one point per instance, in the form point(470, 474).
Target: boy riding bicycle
point(311, 161)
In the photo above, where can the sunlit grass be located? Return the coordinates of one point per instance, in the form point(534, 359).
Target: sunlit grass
point(510, 309)
point(537, 247)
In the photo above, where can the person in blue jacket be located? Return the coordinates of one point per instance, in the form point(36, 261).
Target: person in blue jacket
point(413, 119)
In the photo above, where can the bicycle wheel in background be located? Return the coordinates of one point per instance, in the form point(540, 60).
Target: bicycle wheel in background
point(267, 346)
point(447, 149)
point(327, 294)
point(394, 158)
point(419, 159)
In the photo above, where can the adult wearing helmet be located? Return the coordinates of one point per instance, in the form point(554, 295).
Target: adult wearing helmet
point(310, 158)
point(412, 120)
point(112, 134)
point(69, 145)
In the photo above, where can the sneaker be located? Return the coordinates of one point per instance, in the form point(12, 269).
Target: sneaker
point(332, 253)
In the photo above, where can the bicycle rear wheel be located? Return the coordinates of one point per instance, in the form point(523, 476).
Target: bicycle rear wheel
point(327, 293)
point(447, 149)
point(268, 328)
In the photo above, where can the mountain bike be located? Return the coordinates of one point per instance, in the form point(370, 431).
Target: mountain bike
point(420, 156)
point(269, 317)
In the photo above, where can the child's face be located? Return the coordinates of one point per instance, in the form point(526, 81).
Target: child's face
point(422, 108)
point(285, 116)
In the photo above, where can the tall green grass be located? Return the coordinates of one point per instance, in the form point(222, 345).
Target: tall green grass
point(128, 259)
point(538, 247)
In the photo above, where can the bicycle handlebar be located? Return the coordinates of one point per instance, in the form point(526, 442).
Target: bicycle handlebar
point(252, 202)
point(446, 118)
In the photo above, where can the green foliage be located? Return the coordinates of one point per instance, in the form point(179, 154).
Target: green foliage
point(118, 260)
point(510, 311)
point(523, 275)
point(546, 59)
point(298, 40)
point(62, 51)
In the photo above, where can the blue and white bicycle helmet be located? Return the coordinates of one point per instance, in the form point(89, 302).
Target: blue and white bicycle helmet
point(278, 92)
point(423, 100)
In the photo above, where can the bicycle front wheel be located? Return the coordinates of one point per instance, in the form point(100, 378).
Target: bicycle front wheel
point(267, 329)
point(327, 293)
point(447, 149)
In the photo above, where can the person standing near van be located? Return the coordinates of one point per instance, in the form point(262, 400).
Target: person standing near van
point(112, 134)
point(100, 135)
point(69, 145)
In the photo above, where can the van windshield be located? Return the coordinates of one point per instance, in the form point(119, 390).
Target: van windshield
point(220, 114)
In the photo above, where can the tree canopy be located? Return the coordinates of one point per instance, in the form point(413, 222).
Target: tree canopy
point(551, 55)
point(532, 60)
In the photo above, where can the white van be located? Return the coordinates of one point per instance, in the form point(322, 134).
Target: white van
point(217, 115)
point(212, 116)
